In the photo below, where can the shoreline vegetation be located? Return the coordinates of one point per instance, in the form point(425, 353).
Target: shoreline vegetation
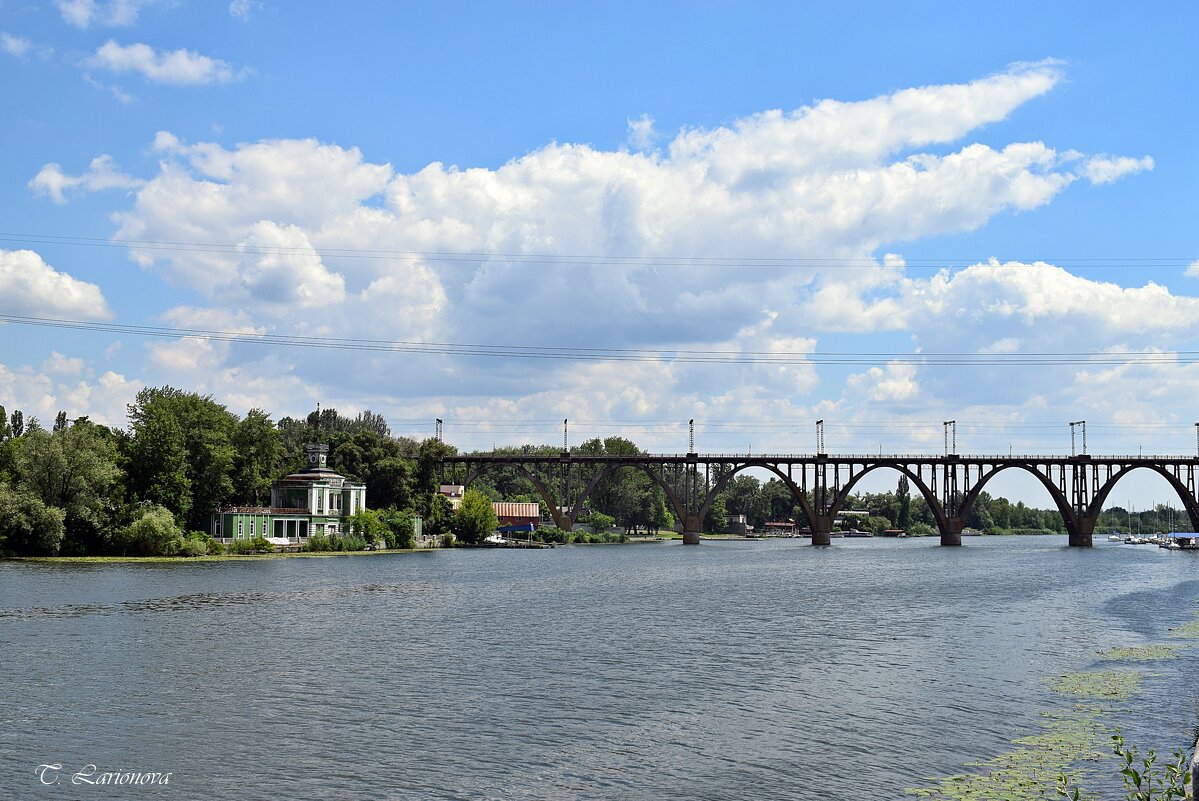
point(152, 489)
point(1076, 743)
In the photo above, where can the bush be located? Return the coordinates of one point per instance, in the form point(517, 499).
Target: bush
point(258, 544)
point(920, 530)
point(194, 544)
point(317, 543)
point(215, 548)
point(551, 534)
point(349, 542)
point(401, 528)
point(447, 540)
point(154, 533)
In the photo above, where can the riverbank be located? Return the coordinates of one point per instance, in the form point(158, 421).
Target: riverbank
point(86, 560)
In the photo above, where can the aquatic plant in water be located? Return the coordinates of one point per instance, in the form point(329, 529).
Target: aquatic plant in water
point(1042, 763)
point(1141, 653)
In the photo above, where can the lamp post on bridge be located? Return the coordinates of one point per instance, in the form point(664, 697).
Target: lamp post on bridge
point(820, 451)
point(951, 436)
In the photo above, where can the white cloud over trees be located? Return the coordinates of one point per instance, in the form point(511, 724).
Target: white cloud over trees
point(758, 236)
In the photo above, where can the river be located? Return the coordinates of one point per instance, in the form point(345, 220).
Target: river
point(731, 670)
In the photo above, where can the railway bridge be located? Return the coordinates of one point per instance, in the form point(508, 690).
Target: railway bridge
point(821, 482)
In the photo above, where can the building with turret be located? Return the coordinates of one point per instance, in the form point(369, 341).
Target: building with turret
point(313, 501)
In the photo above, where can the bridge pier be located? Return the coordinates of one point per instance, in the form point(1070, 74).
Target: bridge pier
point(822, 530)
point(692, 526)
point(1081, 531)
point(951, 533)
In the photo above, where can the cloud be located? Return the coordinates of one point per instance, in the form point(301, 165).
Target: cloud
point(17, 46)
point(77, 391)
point(176, 67)
point(34, 288)
point(103, 173)
point(758, 236)
point(895, 383)
point(243, 9)
point(114, 14)
point(641, 132)
point(1193, 269)
point(1104, 170)
point(58, 364)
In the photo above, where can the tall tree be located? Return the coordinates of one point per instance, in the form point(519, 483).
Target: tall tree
point(475, 518)
point(17, 423)
point(257, 453)
point(904, 494)
point(74, 469)
point(60, 421)
point(28, 527)
point(205, 429)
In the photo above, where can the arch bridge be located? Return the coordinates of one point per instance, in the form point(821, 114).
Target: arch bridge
point(821, 483)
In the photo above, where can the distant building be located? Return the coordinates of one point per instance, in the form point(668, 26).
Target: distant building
point(315, 500)
point(517, 514)
point(452, 491)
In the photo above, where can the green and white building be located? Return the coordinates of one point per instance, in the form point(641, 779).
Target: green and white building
point(315, 500)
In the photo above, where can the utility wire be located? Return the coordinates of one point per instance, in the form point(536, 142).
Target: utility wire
point(792, 358)
point(561, 259)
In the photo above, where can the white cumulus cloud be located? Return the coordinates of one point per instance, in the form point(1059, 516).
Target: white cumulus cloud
point(34, 288)
point(176, 67)
point(103, 173)
point(115, 13)
point(1104, 169)
point(17, 46)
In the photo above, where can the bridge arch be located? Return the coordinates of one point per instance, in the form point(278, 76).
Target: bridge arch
point(536, 482)
point(800, 496)
point(1189, 502)
point(610, 470)
point(934, 505)
point(1059, 498)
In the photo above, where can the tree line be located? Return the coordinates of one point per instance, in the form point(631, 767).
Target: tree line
point(80, 488)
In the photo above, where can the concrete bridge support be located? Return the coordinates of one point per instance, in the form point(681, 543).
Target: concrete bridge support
point(951, 534)
point(822, 529)
point(692, 525)
point(1081, 531)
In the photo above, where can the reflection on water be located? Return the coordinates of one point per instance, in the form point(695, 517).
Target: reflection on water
point(726, 671)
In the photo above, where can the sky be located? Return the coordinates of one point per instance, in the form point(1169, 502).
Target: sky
point(628, 215)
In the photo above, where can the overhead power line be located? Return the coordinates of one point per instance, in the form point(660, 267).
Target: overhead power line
point(689, 356)
point(566, 259)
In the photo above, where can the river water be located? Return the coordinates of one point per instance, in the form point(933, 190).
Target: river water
point(731, 670)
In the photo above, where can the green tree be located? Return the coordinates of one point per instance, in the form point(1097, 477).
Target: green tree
point(475, 518)
point(60, 422)
point(370, 525)
point(717, 518)
point(17, 423)
point(74, 469)
point(28, 527)
point(401, 528)
point(903, 493)
point(440, 517)
point(153, 533)
point(600, 522)
point(257, 453)
point(166, 418)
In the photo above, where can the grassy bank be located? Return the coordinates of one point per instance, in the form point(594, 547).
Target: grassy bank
point(88, 560)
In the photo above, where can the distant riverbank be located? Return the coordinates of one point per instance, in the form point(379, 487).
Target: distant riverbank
point(83, 560)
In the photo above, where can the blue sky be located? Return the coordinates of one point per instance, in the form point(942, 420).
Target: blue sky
point(1055, 139)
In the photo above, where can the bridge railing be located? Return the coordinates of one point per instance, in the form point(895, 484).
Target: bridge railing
point(842, 457)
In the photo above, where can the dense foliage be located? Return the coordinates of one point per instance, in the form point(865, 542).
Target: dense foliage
point(85, 489)
point(82, 488)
